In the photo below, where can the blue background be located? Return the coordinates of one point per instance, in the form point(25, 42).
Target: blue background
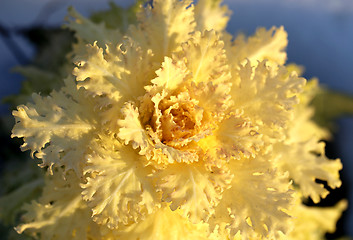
point(320, 38)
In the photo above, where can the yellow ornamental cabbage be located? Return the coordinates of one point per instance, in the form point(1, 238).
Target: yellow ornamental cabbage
point(169, 129)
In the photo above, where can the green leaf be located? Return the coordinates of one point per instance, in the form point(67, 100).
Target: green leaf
point(330, 105)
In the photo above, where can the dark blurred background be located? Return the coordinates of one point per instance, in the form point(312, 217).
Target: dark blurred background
point(320, 39)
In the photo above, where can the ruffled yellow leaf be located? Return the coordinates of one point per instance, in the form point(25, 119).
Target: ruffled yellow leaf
point(131, 130)
point(155, 114)
point(303, 128)
point(160, 225)
point(60, 213)
point(119, 190)
point(193, 188)
point(167, 25)
point(292, 67)
point(163, 153)
point(306, 162)
point(210, 15)
point(303, 155)
point(116, 76)
point(57, 127)
point(264, 45)
point(238, 137)
point(214, 99)
point(120, 72)
point(313, 222)
point(254, 204)
point(171, 75)
point(266, 95)
point(205, 58)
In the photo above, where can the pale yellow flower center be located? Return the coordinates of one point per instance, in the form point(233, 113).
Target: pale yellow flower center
point(178, 122)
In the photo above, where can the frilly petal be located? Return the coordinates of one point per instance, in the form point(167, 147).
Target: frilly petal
point(57, 127)
point(193, 188)
point(118, 188)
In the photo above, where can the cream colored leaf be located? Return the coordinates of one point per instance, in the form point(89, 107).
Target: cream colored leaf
point(171, 75)
point(57, 127)
point(214, 99)
point(205, 58)
point(306, 162)
point(264, 45)
point(135, 63)
point(155, 114)
point(303, 155)
point(113, 73)
point(172, 154)
point(131, 130)
point(266, 95)
point(238, 137)
point(313, 222)
point(292, 67)
point(160, 225)
point(256, 201)
point(304, 128)
point(117, 75)
point(210, 15)
point(167, 25)
point(60, 213)
point(193, 188)
point(119, 190)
